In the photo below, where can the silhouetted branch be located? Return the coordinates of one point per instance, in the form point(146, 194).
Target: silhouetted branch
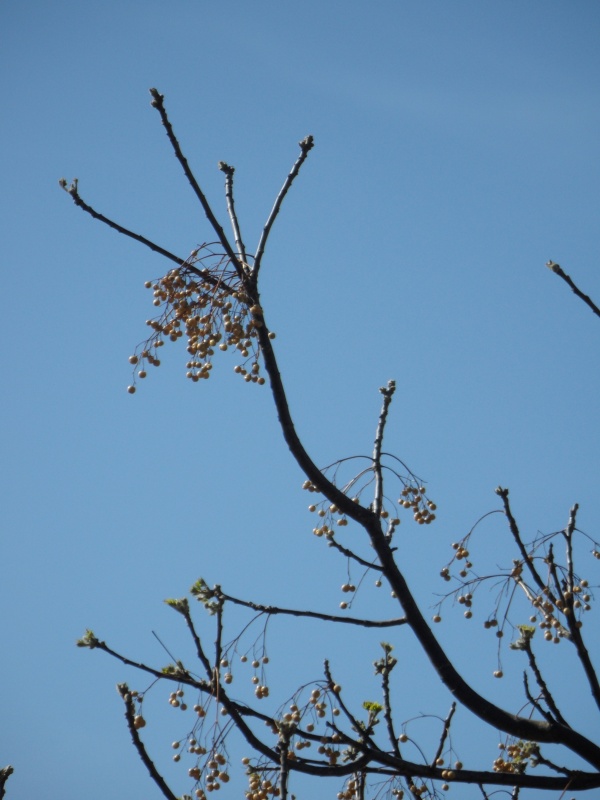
point(158, 103)
point(514, 529)
point(73, 190)
point(556, 268)
point(5, 774)
point(546, 694)
point(123, 690)
point(445, 732)
point(332, 542)
point(294, 612)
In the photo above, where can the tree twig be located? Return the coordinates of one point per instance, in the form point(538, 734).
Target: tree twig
point(294, 612)
point(306, 146)
point(228, 170)
point(546, 694)
point(388, 393)
point(445, 732)
point(139, 745)
point(158, 103)
point(5, 774)
point(557, 269)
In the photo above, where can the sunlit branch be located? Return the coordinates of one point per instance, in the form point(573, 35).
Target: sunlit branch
point(556, 268)
point(306, 146)
point(388, 393)
point(228, 170)
point(569, 537)
point(139, 745)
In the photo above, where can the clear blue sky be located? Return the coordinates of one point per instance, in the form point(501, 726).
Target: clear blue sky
point(457, 150)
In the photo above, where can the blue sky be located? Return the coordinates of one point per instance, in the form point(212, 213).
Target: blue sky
point(456, 152)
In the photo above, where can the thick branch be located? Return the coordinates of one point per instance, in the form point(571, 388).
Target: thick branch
point(531, 730)
point(559, 271)
point(345, 504)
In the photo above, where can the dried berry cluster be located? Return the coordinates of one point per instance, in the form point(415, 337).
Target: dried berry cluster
point(212, 313)
point(411, 497)
point(209, 772)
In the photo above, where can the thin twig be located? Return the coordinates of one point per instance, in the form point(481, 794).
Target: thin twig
point(139, 745)
point(228, 170)
point(294, 612)
point(556, 268)
point(534, 702)
point(350, 554)
point(388, 393)
point(514, 529)
point(361, 730)
point(73, 190)
point(445, 732)
point(546, 694)
point(387, 704)
point(306, 146)
point(158, 103)
point(574, 626)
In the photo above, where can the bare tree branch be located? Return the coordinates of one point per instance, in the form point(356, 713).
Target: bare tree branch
point(560, 272)
point(274, 610)
point(231, 209)
point(139, 745)
point(306, 146)
point(388, 393)
point(5, 774)
point(158, 103)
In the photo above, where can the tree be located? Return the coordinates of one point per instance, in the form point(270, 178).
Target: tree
point(212, 299)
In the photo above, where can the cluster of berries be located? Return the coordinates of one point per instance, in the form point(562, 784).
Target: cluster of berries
point(212, 312)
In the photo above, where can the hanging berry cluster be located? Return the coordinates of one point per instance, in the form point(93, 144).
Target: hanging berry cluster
point(208, 307)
